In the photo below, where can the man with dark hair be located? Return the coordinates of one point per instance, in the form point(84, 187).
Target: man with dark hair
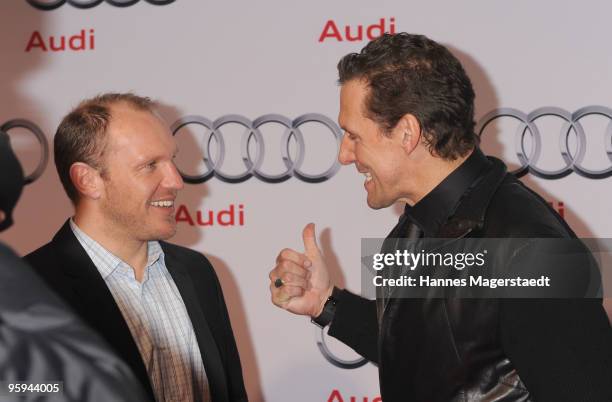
point(41, 339)
point(160, 306)
point(407, 109)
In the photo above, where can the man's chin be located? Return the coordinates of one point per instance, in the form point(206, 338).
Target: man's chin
point(378, 204)
point(166, 233)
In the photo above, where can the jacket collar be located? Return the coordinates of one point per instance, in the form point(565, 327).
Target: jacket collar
point(434, 210)
point(470, 213)
point(96, 305)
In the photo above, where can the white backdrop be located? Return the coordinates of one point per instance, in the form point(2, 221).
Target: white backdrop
point(214, 59)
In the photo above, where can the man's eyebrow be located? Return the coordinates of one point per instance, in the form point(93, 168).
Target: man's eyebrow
point(349, 131)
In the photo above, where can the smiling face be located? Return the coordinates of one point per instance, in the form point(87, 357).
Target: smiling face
point(381, 157)
point(140, 179)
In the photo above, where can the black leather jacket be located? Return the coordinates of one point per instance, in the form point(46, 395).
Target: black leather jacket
point(43, 341)
point(431, 350)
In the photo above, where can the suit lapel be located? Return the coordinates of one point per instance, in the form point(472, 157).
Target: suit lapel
point(208, 347)
point(95, 304)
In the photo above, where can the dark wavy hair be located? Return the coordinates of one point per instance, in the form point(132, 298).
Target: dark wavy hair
point(412, 74)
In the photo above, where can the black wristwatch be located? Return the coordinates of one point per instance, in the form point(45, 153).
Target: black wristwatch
point(329, 309)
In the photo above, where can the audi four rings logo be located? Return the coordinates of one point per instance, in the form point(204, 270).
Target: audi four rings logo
point(333, 359)
point(573, 162)
point(53, 4)
point(42, 141)
point(253, 163)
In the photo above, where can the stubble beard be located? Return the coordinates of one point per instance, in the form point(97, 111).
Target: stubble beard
point(130, 223)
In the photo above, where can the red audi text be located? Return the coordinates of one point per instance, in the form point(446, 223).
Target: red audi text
point(355, 33)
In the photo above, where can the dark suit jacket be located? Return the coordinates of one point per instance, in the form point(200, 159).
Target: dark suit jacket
point(67, 269)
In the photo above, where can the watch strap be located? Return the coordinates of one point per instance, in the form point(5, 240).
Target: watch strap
point(329, 310)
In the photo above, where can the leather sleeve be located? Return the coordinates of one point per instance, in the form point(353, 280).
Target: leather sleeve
point(355, 324)
point(562, 349)
point(41, 340)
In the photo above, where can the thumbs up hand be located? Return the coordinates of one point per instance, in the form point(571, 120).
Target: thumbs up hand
point(300, 282)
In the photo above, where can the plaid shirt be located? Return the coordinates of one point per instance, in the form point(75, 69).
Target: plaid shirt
point(158, 321)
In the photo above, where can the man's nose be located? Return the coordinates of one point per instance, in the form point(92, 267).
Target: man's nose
point(173, 178)
point(346, 155)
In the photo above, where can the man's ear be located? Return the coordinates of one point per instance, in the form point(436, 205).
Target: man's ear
point(408, 129)
point(2, 216)
point(86, 180)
